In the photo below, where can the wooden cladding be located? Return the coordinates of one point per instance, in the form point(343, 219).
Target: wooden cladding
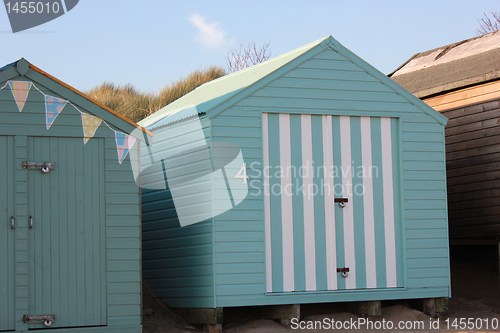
point(465, 97)
point(473, 170)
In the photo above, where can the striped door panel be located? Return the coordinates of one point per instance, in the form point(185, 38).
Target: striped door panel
point(309, 160)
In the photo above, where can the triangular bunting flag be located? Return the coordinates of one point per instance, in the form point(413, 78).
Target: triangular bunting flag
point(90, 125)
point(130, 141)
point(53, 106)
point(20, 90)
point(124, 143)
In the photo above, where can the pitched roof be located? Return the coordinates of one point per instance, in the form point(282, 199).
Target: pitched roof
point(12, 64)
point(465, 63)
point(215, 92)
point(230, 87)
point(26, 65)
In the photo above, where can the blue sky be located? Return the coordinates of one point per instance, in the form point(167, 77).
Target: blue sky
point(151, 43)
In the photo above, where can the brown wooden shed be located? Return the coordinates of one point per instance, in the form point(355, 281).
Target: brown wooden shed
point(462, 81)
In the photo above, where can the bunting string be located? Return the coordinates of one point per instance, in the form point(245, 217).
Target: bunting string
point(55, 105)
point(5, 85)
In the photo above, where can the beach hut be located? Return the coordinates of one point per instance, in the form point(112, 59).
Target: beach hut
point(309, 178)
point(69, 209)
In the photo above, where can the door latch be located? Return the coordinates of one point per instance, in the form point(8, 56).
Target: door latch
point(44, 167)
point(344, 271)
point(46, 320)
point(342, 201)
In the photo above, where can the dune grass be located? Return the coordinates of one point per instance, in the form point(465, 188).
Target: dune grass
point(137, 105)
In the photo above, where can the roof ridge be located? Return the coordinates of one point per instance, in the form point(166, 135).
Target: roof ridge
point(243, 79)
point(262, 64)
point(28, 65)
point(445, 49)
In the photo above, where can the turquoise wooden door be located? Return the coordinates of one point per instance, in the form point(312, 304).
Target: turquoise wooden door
point(331, 202)
point(66, 238)
point(7, 233)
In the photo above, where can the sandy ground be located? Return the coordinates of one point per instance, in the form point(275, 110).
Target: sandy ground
point(475, 294)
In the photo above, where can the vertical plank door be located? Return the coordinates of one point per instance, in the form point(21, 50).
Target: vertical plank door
point(7, 285)
point(66, 241)
point(311, 162)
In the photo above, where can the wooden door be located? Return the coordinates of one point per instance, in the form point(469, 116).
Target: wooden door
point(7, 234)
point(66, 239)
point(331, 202)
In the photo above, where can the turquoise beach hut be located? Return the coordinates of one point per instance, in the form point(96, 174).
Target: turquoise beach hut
point(332, 188)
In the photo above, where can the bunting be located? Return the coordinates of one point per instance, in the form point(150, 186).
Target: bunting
point(90, 125)
point(53, 106)
point(124, 143)
point(20, 91)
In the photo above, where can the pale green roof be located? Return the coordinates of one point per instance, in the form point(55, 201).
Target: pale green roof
point(213, 93)
point(206, 97)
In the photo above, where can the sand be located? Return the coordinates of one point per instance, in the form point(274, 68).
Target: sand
point(475, 294)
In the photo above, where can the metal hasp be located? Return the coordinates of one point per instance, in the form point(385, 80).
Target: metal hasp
point(47, 320)
point(45, 167)
point(341, 201)
point(344, 271)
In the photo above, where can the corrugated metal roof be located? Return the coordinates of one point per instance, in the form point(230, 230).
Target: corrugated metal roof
point(215, 92)
point(452, 66)
point(206, 97)
point(187, 112)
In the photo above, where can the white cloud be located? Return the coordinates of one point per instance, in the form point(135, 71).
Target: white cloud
point(210, 34)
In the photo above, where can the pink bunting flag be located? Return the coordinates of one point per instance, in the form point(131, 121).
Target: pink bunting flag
point(20, 91)
point(124, 143)
point(53, 107)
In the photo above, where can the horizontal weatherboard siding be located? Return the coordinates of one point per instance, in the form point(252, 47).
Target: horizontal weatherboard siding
point(473, 170)
point(177, 260)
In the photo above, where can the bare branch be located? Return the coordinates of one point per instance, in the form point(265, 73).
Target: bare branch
point(247, 56)
point(489, 24)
